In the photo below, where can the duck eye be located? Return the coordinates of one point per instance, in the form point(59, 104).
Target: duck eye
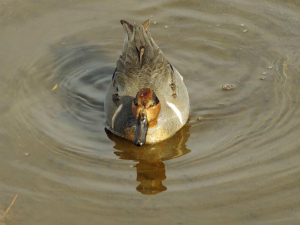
point(156, 101)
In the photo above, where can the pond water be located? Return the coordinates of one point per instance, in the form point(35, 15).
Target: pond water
point(237, 160)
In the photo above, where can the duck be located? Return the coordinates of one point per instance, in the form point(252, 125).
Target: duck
point(146, 101)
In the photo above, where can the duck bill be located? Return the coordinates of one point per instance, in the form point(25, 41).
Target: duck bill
point(141, 129)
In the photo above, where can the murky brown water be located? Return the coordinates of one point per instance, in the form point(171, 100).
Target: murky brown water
point(237, 161)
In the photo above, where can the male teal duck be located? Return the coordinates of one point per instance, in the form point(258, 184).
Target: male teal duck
point(147, 101)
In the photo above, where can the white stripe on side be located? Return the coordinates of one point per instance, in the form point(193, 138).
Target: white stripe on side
point(176, 111)
point(115, 114)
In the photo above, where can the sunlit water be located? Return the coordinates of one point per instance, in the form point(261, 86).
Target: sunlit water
point(237, 161)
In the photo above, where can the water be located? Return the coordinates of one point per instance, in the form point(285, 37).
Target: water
point(235, 162)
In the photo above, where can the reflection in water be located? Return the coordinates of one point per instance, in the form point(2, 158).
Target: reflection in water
point(150, 173)
point(150, 167)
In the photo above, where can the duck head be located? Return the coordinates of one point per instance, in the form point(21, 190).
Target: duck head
point(145, 109)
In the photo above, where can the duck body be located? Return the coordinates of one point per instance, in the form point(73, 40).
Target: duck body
point(147, 99)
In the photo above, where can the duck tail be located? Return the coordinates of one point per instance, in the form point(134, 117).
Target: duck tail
point(139, 47)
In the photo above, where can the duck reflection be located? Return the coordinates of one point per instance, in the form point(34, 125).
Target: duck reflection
point(150, 167)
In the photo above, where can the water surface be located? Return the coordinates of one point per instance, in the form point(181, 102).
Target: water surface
point(235, 162)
